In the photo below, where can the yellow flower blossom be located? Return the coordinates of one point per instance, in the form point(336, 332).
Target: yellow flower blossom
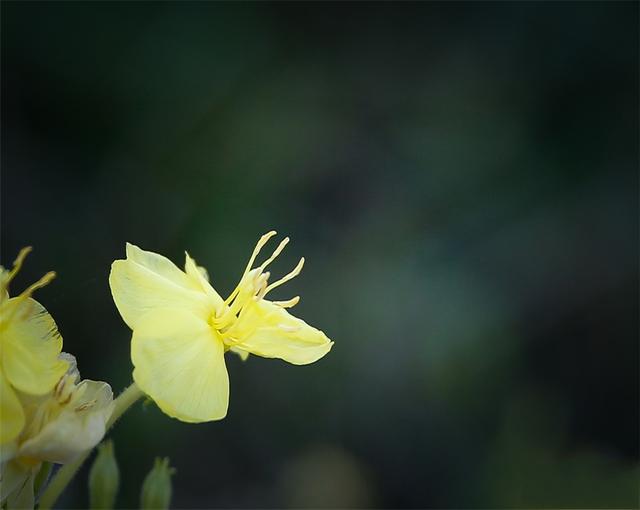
point(59, 426)
point(29, 349)
point(182, 328)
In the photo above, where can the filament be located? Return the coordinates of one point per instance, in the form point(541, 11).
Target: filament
point(27, 293)
point(17, 264)
point(295, 272)
point(275, 253)
point(261, 242)
point(289, 303)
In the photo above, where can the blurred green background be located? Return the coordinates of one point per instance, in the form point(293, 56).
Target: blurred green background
point(462, 179)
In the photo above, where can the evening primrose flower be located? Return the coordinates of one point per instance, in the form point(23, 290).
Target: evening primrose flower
point(59, 426)
point(29, 347)
point(182, 328)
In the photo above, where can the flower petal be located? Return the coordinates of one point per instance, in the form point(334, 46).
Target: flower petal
point(11, 413)
point(78, 428)
point(199, 275)
point(268, 330)
point(147, 281)
point(179, 363)
point(31, 344)
point(159, 265)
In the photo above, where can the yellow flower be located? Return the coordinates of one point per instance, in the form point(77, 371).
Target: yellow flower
point(59, 426)
point(182, 328)
point(29, 349)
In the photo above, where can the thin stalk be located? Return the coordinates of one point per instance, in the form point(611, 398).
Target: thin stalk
point(66, 473)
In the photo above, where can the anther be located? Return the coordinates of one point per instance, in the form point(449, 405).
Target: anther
point(40, 283)
point(85, 405)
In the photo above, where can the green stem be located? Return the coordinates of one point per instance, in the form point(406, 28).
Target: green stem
point(66, 473)
point(124, 401)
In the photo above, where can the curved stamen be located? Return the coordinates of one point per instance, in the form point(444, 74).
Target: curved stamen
point(286, 278)
point(275, 253)
point(253, 286)
point(261, 242)
point(27, 294)
point(17, 264)
point(240, 301)
point(45, 280)
point(262, 287)
point(290, 303)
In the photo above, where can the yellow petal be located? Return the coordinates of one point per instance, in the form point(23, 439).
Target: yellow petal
point(78, 428)
point(179, 363)
point(146, 281)
point(31, 344)
point(11, 413)
point(158, 264)
point(268, 330)
point(199, 275)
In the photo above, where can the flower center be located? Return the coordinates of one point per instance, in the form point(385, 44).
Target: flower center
point(252, 287)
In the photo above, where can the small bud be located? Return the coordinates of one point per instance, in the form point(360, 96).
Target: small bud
point(104, 478)
point(156, 489)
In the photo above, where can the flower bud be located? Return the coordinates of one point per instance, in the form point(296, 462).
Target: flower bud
point(156, 489)
point(104, 478)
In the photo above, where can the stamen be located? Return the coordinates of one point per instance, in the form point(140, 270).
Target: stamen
point(240, 302)
point(296, 271)
point(229, 337)
point(17, 264)
point(45, 280)
point(276, 252)
point(261, 242)
point(27, 294)
point(86, 405)
point(289, 303)
point(262, 279)
point(253, 285)
point(66, 400)
point(262, 287)
point(59, 387)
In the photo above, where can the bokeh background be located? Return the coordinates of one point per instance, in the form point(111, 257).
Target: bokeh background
point(462, 179)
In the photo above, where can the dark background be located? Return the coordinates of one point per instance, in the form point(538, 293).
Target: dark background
point(462, 179)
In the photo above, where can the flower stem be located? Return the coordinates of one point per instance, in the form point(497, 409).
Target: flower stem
point(124, 401)
point(66, 473)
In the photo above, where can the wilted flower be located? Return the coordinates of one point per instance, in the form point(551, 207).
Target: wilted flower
point(182, 328)
point(59, 426)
